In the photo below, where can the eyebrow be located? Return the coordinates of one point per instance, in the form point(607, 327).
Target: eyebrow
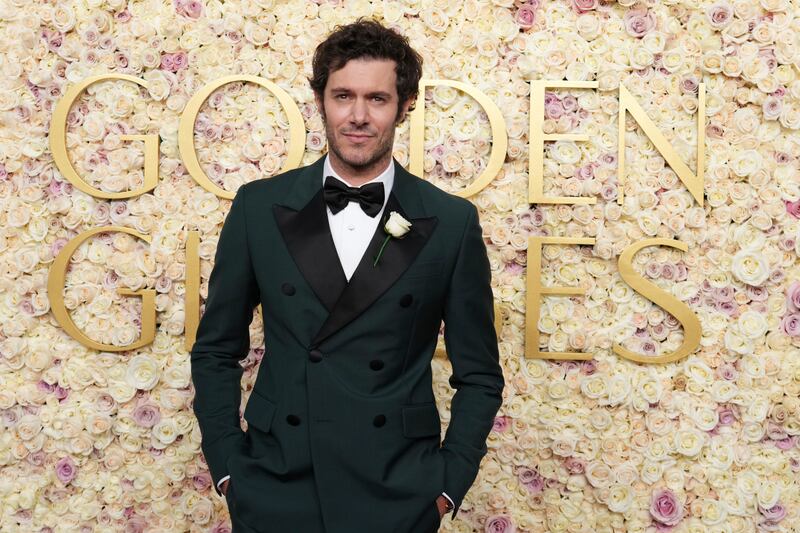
point(375, 93)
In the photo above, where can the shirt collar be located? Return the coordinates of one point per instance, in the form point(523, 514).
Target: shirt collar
point(386, 177)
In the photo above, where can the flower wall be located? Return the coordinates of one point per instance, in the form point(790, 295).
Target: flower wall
point(108, 441)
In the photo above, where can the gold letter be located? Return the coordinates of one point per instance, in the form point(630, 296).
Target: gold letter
point(58, 142)
point(692, 182)
point(537, 138)
point(689, 321)
point(189, 116)
point(496, 122)
point(55, 285)
point(191, 297)
point(534, 290)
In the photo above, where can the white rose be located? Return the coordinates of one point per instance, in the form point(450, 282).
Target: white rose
point(565, 152)
point(143, 372)
point(712, 512)
point(749, 237)
point(746, 162)
point(750, 267)
point(397, 226)
point(752, 324)
point(688, 442)
point(768, 494)
point(620, 498)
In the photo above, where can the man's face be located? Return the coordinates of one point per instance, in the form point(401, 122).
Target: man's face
point(359, 108)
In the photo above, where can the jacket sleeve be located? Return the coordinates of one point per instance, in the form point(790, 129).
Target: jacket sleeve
point(223, 339)
point(471, 345)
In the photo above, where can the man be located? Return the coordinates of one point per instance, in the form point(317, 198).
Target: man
point(343, 430)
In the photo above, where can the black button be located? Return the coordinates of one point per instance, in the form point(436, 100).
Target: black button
point(376, 364)
point(315, 356)
point(287, 289)
point(379, 420)
point(293, 420)
point(406, 300)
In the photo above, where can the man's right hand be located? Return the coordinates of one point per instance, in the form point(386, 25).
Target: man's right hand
point(224, 487)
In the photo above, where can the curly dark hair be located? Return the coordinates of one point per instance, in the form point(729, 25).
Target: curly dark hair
point(368, 38)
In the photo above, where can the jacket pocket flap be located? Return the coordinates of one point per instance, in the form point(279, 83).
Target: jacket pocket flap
point(259, 412)
point(421, 420)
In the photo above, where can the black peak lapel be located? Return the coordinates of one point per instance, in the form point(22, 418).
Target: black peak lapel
point(369, 282)
point(308, 236)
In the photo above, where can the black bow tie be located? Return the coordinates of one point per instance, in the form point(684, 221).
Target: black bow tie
point(338, 194)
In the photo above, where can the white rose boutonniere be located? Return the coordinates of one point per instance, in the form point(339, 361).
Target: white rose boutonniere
point(396, 227)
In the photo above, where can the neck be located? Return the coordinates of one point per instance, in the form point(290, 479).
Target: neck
point(356, 176)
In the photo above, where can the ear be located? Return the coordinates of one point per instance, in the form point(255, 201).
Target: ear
point(404, 109)
point(320, 104)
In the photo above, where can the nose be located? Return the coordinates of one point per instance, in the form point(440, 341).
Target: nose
point(359, 112)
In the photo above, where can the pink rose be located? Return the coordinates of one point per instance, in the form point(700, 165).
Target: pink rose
point(526, 16)
point(66, 469)
point(167, 62)
point(123, 16)
point(501, 424)
point(180, 60)
point(665, 507)
point(499, 524)
point(668, 271)
point(221, 527)
point(608, 159)
point(727, 372)
point(586, 171)
point(719, 15)
point(793, 208)
point(609, 192)
point(791, 324)
point(201, 481)
point(575, 465)
point(531, 480)
point(757, 294)
point(793, 297)
point(61, 393)
point(553, 109)
point(638, 22)
point(582, 6)
point(775, 513)
point(771, 108)
point(189, 8)
point(726, 416)
point(146, 415)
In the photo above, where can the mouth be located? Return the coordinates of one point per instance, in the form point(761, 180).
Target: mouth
point(357, 138)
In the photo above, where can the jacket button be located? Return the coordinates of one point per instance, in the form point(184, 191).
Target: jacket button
point(315, 356)
point(287, 289)
point(379, 420)
point(293, 420)
point(376, 364)
point(406, 300)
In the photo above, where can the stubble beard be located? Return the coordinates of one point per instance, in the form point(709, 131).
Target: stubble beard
point(358, 165)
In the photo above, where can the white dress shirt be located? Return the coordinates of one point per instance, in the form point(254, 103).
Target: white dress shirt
point(352, 229)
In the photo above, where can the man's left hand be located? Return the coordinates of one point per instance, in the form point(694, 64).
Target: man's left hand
point(441, 504)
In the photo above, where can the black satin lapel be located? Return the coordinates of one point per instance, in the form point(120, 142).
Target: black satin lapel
point(369, 282)
point(308, 238)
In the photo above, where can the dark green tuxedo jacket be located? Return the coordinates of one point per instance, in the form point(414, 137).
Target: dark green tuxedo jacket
point(343, 431)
